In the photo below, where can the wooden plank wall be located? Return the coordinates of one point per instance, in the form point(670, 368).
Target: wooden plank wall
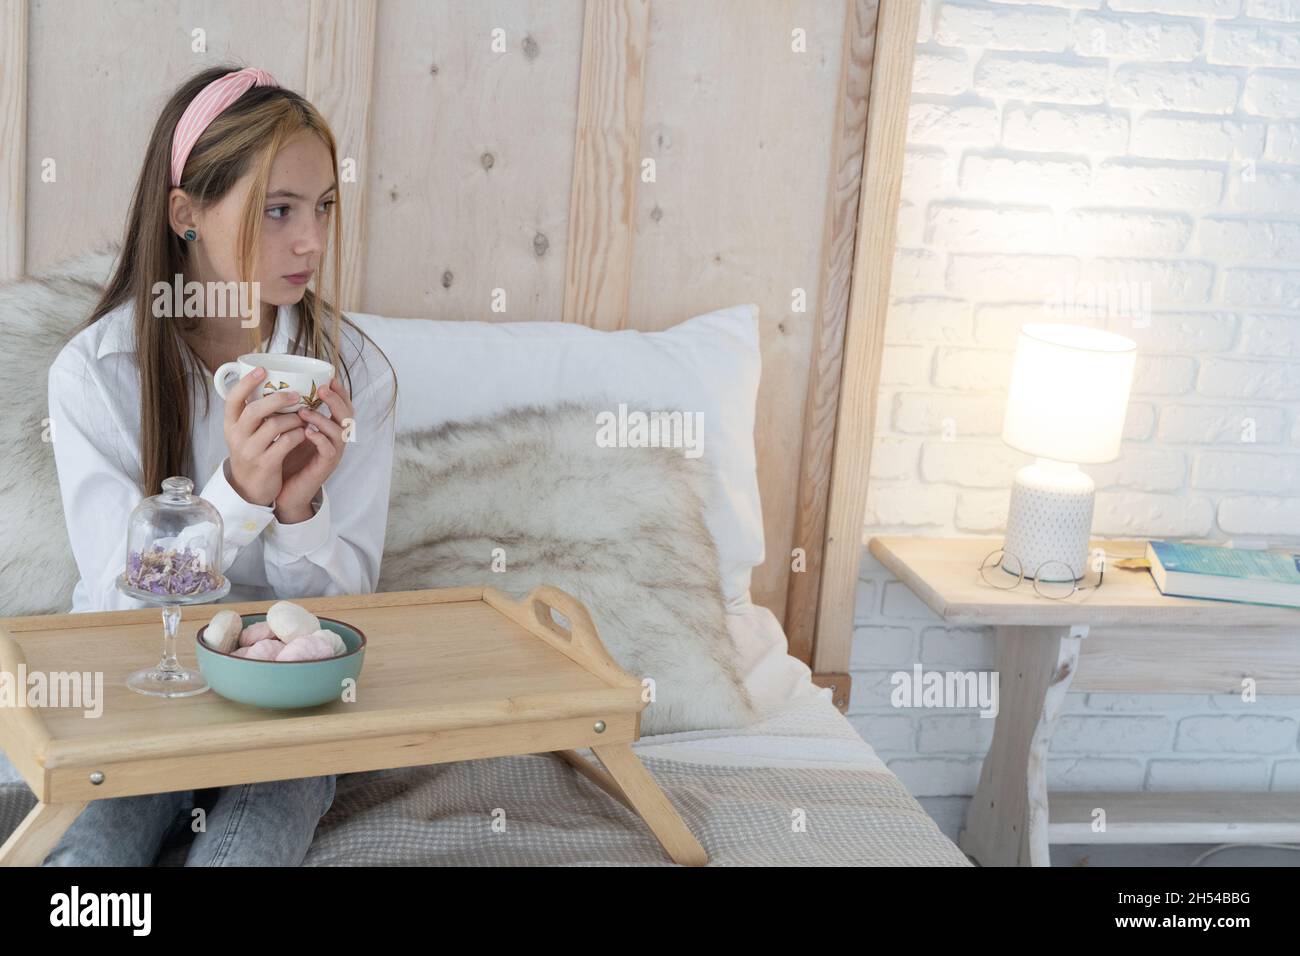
point(822, 403)
point(891, 86)
point(606, 163)
point(340, 83)
point(502, 150)
point(13, 138)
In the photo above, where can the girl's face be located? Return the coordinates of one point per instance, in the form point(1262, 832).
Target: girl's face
point(296, 222)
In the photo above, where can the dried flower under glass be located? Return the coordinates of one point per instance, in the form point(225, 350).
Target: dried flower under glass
point(168, 571)
point(173, 557)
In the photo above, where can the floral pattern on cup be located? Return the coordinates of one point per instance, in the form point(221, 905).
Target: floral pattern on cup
point(310, 400)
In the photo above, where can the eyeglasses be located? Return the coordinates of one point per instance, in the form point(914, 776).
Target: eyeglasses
point(1053, 579)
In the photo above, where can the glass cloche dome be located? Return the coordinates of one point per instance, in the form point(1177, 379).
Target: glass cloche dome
point(173, 545)
point(173, 557)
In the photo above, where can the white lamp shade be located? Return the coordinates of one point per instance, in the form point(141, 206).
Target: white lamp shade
point(1069, 393)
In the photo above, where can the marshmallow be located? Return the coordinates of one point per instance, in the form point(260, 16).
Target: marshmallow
point(223, 631)
point(254, 633)
point(289, 620)
point(309, 647)
point(336, 643)
point(267, 650)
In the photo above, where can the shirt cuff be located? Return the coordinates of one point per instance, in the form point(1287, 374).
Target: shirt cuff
point(303, 537)
point(242, 520)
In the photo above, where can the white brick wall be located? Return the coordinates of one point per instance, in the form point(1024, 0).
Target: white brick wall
point(1060, 151)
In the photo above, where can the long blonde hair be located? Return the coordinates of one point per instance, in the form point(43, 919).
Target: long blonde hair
point(246, 135)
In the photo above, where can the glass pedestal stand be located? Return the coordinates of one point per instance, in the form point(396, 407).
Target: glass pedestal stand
point(169, 679)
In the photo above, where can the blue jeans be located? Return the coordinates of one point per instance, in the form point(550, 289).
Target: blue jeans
point(250, 824)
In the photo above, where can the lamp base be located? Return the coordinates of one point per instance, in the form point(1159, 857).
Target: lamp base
point(1050, 519)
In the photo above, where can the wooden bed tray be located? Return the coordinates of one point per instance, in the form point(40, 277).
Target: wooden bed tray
point(450, 674)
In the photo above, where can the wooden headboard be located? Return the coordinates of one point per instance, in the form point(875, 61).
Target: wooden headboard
point(620, 163)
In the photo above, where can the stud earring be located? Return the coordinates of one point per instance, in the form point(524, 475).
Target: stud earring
point(191, 235)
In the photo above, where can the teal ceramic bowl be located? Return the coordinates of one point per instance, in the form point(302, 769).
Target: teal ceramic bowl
point(283, 684)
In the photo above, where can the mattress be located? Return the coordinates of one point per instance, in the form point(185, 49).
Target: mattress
point(798, 787)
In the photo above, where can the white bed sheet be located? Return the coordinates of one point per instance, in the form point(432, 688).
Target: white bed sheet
point(800, 726)
point(809, 732)
point(774, 678)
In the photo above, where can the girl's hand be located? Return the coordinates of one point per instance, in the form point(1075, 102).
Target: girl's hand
point(301, 483)
point(259, 439)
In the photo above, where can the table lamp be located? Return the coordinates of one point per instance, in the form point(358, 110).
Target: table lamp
point(1066, 406)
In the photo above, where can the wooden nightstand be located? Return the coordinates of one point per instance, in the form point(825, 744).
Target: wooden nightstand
point(1139, 642)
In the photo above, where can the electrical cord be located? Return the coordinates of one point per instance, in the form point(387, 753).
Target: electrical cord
point(1230, 846)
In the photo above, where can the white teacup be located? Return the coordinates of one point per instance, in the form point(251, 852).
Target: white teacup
point(299, 373)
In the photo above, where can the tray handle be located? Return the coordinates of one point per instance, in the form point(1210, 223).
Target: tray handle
point(581, 630)
point(579, 641)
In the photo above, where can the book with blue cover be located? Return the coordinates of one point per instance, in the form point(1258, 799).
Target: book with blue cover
point(1181, 569)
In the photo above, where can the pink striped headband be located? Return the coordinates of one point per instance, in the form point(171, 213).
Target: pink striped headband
point(213, 98)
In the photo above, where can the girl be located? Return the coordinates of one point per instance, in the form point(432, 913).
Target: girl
point(238, 172)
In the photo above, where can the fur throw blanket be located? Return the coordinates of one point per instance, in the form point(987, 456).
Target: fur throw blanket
point(524, 498)
point(528, 497)
point(37, 316)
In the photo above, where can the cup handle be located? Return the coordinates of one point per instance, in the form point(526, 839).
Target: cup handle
point(219, 377)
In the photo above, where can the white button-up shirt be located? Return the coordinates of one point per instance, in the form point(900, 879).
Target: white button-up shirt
point(94, 405)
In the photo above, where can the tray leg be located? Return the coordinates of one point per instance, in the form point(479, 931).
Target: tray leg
point(597, 776)
point(39, 833)
point(643, 795)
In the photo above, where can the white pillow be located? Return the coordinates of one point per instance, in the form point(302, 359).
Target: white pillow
point(449, 371)
point(775, 679)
